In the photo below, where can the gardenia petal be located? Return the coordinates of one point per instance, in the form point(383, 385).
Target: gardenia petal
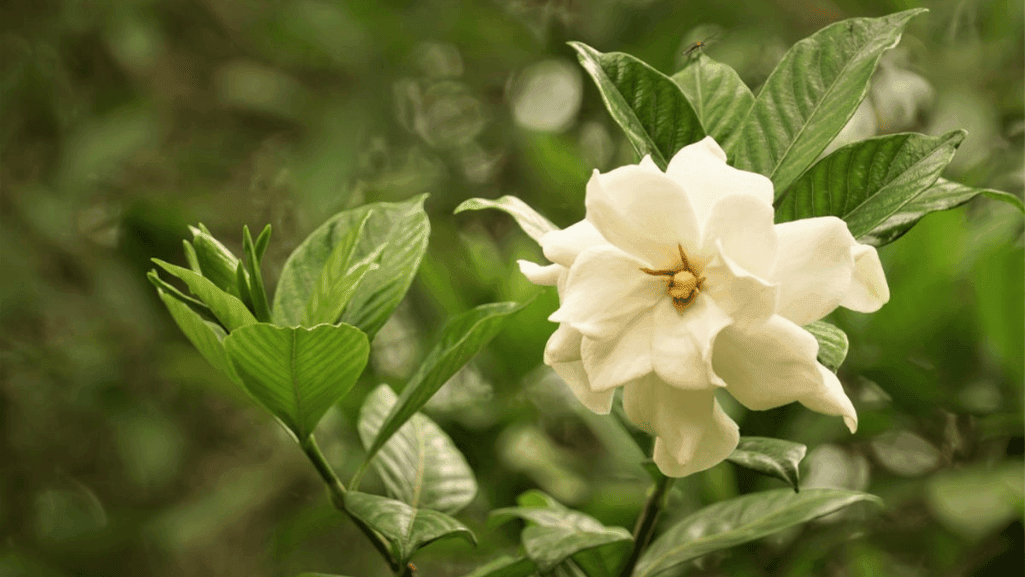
point(612, 362)
point(564, 246)
point(692, 432)
point(576, 378)
point(742, 224)
point(604, 290)
point(773, 364)
point(643, 212)
point(868, 290)
point(681, 344)
point(541, 275)
point(814, 267)
point(701, 170)
point(741, 295)
point(563, 346)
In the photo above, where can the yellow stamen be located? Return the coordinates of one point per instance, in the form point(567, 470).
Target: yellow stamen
point(683, 283)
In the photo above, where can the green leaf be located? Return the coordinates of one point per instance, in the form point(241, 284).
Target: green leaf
point(529, 220)
point(406, 529)
point(402, 229)
point(649, 107)
point(257, 292)
point(867, 182)
point(811, 95)
point(340, 278)
point(262, 242)
point(215, 261)
point(720, 98)
point(228, 309)
point(773, 457)
point(420, 465)
point(730, 523)
point(460, 340)
point(558, 534)
point(204, 335)
point(832, 343)
point(506, 566)
point(942, 195)
point(298, 373)
point(191, 257)
point(196, 305)
point(319, 575)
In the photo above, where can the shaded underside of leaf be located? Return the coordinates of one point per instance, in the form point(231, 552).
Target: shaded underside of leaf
point(529, 220)
point(649, 107)
point(811, 95)
point(204, 335)
point(420, 465)
point(773, 457)
point(735, 521)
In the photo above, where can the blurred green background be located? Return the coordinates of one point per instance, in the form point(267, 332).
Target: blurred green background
point(122, 121)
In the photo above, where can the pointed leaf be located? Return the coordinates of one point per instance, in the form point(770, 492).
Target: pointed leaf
point(942, 195)
point(773, 457)
point(460, 340)
point(204, 335)
point(406, 529)
point(420, 464)
point(720, 98)
point(228, 309)
point(262, 242)
point(215, 261)
point(867, 182)
point(736, 521)
point(402, 229)
point(529, 220)
point(832, 343)
point(340, 278)
point(298, 373)
point(257, 292)
point(191, 257)
point(649, 107)
point(506, 566)
point(811, 95)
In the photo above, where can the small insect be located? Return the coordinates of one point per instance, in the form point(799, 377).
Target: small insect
point(412, 569)
point(683, 283)
point(699, 45)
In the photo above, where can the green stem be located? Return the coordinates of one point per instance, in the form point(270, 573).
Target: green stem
point(646, 522)
point(336, 491)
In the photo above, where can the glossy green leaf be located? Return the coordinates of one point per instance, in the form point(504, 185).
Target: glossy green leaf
point(942, 195)
point(194, 304)
point(649, 107)
point(228, 309)
point(460, 340)
point(405, 528)
point(340, 277)
point(253, 254)
point(420, 465)
point(773, 457)
point(811, 95)
point(720, 98)
point(506, 566)
point(298, 373)
point(832, 343)
point(730, 523)
point(400, 230)
point(215, 261)
point(557, 533)
point(867, 182)
point(529, 220)
point(206, 336)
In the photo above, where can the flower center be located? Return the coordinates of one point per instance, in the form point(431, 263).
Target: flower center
point(683, 282)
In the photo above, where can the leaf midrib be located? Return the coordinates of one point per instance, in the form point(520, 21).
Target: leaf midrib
point(293, 371)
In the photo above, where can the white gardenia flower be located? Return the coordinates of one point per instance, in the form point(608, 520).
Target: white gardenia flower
point(678, 283)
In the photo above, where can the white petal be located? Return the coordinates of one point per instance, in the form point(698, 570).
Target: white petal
point(702, 171)
point(773, 364)
point(541, 275)
point(814, 267)
point(563, 246)
point(563, 346)
point(743, 225)
point(681, 345)
point(605, 289)
point(643, 212)
point(832, 400)
point(575, 376)
point(744, 297)
point(868, 290)
point(692, 431)
point(612, 362)
point(649, 164)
